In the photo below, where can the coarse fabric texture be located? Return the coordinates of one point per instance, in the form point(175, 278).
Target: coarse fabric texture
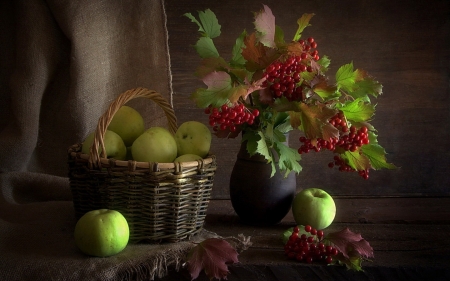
point(62, 63)
point(37, 243)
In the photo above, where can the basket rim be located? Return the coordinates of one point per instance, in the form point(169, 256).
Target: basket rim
point(105, 162)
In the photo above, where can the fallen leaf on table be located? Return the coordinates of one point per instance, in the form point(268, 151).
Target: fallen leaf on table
point(213, 256)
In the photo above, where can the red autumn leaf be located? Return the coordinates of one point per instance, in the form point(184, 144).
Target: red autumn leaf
point(253, 51)
point(347, 242)
point(256, 54)
point(294, 48)
point(314, 121)
point(213, 256)
point(211, 64)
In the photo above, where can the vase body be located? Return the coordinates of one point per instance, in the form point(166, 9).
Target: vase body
point(257, 198)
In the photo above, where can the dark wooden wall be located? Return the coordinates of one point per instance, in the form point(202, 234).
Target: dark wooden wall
point(404, 44)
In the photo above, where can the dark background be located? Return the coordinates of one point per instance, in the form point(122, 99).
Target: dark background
point(403, 45)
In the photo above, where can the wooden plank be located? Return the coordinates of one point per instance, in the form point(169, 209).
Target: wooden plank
point(299, 272)
point(372, 210)
point(402, 251)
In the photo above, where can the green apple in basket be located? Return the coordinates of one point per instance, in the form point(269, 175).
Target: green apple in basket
point(128, 124)
point(193, 137)
point(102, 233)
point(314, 207)
point(187, 158)
point(156, 144)
point(114, 145)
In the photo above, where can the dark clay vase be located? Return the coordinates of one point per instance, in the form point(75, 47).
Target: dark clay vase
point(257, 198)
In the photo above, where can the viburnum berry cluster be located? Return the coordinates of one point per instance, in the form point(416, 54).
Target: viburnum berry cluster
point(349, 140)
point(283, 78)
point(226, 117)
point(309, 247)
point(271, 86)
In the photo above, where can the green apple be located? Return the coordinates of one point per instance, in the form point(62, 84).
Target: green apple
point(115, 148)
point(128, 124)
point(187, 158)
point(156, 144)
point(102, 233)
point(193, 138)
point(314, 207)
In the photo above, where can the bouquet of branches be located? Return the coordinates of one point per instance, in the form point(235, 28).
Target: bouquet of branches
point(270, 86)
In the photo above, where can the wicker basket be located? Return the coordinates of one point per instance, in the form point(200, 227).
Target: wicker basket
point(162, 202)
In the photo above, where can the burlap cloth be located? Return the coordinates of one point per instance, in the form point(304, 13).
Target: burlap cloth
point(62, 63)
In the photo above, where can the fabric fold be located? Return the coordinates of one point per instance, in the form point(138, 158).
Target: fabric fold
point(65, 62)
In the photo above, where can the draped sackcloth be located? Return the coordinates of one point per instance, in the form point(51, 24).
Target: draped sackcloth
point(63, 62)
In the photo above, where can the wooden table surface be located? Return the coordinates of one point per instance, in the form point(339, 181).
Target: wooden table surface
point(406, 250)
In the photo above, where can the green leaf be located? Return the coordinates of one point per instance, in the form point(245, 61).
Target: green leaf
point(194, 20)
point(282, 122)
point(205, 48)
point(279, 36)
point(367, 86)
point(324, 90)
point(237, 59)
point(288, 158)
point(353, 263)
point(377, 156)
point(287, 233)
point(283, 104)
point(324, 63)
point(219, 85)
point(208, 25)
point(346, 77)
point(302, 22)
point(256, 143)
point(356, 160)
point(307, 76)
point(357, 110)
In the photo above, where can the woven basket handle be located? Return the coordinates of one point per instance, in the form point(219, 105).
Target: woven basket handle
point(105, 119)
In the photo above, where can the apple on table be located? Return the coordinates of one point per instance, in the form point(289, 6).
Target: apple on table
point(314, 207)
point(102, 233)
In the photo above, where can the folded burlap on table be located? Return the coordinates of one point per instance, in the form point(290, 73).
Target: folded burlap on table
point(63, 62)
point(37, 243)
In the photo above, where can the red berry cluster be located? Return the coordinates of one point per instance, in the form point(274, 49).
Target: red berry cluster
point(350, 140)
point(309, 47)
point(344, 167)
point(282, 77)
point(227, 117)
point(309, 248)
point(339, 122)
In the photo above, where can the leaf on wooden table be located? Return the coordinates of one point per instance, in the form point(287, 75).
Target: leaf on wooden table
point(352, 247)
point(213, 256)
